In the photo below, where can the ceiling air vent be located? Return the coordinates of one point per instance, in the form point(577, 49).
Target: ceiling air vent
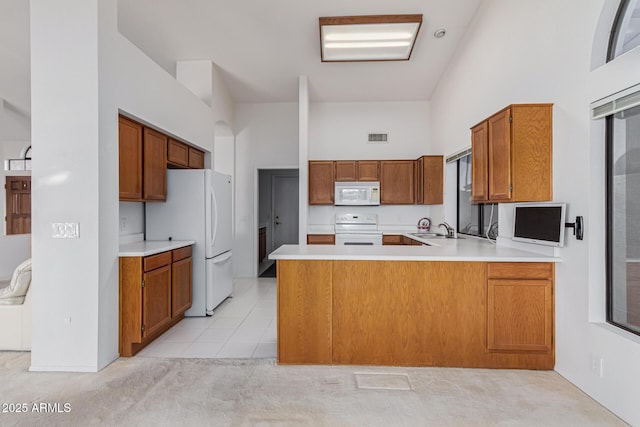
point(378, 138)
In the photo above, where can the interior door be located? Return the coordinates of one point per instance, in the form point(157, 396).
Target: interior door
point(18, 207)
point(285, 210)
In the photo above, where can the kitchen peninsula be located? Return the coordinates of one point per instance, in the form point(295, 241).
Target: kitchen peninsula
point(453, 302)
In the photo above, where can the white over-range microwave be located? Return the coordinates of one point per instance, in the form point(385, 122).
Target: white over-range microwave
point(357, 193)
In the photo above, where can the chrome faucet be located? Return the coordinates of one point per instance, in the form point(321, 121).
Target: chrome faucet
point(449, 230)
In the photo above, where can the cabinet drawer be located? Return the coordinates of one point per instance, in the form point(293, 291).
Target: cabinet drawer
point(321, 239)
point(181, 253)
point(520, 270)
point(392, 239)
point(154, 261)
point(196, 158)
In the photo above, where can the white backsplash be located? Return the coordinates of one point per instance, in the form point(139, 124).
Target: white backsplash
point(389, 217)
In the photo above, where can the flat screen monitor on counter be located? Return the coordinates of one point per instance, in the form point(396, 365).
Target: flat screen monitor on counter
point(540, 223)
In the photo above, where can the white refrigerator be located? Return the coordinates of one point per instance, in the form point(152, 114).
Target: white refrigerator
point(198, 208)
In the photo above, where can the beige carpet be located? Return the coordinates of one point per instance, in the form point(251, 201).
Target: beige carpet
point(223, 392)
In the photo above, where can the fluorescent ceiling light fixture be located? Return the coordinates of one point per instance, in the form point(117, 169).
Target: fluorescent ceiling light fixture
point(368, 38)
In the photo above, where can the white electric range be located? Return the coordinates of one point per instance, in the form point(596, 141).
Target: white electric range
point(357, 229)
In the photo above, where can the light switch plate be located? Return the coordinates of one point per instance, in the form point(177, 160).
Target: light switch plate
point(65, 230)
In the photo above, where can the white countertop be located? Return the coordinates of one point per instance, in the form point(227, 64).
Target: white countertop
point(467, 249)
point(151, 247)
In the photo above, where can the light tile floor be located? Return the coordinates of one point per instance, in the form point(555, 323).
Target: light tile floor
point(243, 326)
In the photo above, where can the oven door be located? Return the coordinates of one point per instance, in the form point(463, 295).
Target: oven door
point(359, 239)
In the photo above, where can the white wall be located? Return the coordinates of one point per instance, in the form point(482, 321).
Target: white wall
point(542, 52)
point(13, 250)
point(75, 320)
point(266, 138)
point(339, 131)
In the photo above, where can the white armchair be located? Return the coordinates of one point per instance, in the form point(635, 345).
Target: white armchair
point(15, 310)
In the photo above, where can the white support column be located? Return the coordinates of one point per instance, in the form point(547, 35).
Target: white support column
point(303, 123)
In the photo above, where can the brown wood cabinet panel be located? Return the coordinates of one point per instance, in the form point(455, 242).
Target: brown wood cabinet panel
point(409, 313)
point(430, 180)
point(18, 207)
point(177, 154)
point(480, 163)
point(321, 182)
point(130, 159)
point(155, 166)
point(152, 262)
point(321, 239)
point(368, 170)
point(156, 300)
point(520, 270)
point(515, 164)
point(500, 156)
point(520, 315)
point(397, 186)
point(130, 296)
point(532, 147)
point(181, 285)
point(392, 239)
point(304, 312)
point(345, 170)
point(196, 158)
point(181, 253)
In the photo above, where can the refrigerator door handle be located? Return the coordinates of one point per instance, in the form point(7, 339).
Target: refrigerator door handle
point(222, 258)
point(214, 211)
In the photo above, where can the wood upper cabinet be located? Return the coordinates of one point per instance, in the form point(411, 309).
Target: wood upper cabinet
point(196, 158)
point(142, 162)
point(321, 182)
point(368, 170)
point(518, 155)
point(155, 166)
point(130, 159)
point(480, 163)
point(397, 186)
point(357, 170)
point(181, 278)
point(177, 154)
point(346, 170)
point(430, 180)
point(520, 307)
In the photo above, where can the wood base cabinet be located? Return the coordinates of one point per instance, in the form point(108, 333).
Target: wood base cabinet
point(416, 313)
point(321, 239)
point(155, 291)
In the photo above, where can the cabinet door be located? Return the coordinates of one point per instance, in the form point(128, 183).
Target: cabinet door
point(130, 159)
point(480, 163)
point(181, 275)
point(500, 156)
point(156, 300)
point(345, 170)
point(321, 182)
point(321, 239)
point(520, 315)
point(155, 165)
point(262, 243)
point(430, 180)
point(177, 154)
point(368, 170)
point(196, 158)
point(397, 185)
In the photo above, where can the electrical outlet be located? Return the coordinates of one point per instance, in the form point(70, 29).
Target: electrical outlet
point(123, 224)
point(597, 365)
